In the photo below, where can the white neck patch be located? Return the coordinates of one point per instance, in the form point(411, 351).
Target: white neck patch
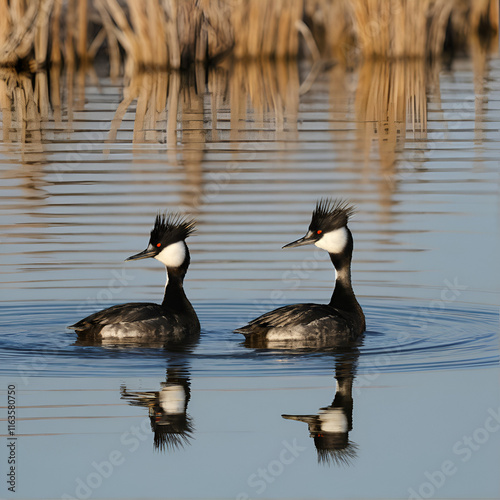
point(173, 255)
point(333, 420)
point(172, 399)
point(334, 241)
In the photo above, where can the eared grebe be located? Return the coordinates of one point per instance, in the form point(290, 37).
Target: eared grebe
point(175, 319)
point(342, 319)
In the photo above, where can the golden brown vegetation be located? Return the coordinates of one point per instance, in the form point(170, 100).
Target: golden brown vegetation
point(173, 33)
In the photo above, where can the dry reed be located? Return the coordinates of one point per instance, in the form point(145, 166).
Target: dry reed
point(174, 33)
point(30, 32)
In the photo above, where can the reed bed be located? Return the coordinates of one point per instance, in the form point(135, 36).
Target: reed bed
point(264, 28)
point(169, 33)
point(36, 33)
point(175, 33)
point(392, 28)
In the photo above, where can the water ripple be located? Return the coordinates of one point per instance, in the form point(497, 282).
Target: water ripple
point(400, 337)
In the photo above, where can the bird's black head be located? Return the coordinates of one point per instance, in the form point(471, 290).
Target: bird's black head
point(328, 227)
point(170, 228)
point(330, 215)
point(166, 243)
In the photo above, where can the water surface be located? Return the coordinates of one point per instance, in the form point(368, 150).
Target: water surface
point(248, 151)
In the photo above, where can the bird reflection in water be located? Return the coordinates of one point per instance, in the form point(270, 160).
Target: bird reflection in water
point(331, 425)
point(171, 424)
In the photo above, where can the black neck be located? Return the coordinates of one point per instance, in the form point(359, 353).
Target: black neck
point(343, 297)
point(175, 298)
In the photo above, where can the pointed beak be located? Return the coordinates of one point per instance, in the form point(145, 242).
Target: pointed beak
point(308, 419)
point(149, 252)
point(308, 239)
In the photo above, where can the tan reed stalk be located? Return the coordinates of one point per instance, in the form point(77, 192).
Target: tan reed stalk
point(158, 22)
point(55, 37)
point(130, 93)
point(42, 32)
point(161, 85)
point(96, 44)
point(218, 89)
point(69, 78)
point(140, 25)
point(69, 48)
point(5, 22)
point(174, 86)
point(494, 15)
point(81, 32)
point(141, 108)
point(193, 135)
point(172, 38)
point(20, 112)
point(152, 115)
point(6, 104)
point(55, 93)
point(41, 95)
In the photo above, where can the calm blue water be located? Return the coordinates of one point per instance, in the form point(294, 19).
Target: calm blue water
point(411, 411)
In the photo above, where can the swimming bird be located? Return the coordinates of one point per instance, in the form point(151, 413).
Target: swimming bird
point(175, 319)
point(342, 320)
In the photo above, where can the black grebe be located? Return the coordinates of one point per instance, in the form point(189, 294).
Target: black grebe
point(342, 319)
point(175, 319)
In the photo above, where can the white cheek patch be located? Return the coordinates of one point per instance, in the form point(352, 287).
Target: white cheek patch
point(172, 399)
point(333, 420)
point(173, 255)
point(334, 241)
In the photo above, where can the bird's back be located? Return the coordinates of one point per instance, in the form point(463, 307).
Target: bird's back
point(139, 320)
point(318, 323)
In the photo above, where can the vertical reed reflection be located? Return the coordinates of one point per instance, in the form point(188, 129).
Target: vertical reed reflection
point(189, 109)
point(34, 105)
point(390, 99)
point(481, 50)
point(37, 109)
point(236, 102)
point(390, 103)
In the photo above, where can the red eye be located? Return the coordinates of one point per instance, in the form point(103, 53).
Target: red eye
point(158, 245)
point(319, 231)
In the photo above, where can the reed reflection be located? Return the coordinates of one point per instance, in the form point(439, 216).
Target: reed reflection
point(38, 108)
point(390, 100)
point(188, 110)
point(331, 425)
